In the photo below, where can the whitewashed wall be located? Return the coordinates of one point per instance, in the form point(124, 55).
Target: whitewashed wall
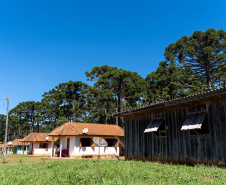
point(76, 151)
point(42, 151)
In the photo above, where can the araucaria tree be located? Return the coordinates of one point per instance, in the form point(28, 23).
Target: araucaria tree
point(126, 86)
point(203, 52)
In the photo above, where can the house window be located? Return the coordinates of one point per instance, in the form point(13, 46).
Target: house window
point(43, 145)
point(156, 127)
point(85, 142)
point(21, 147)
point(111, 142)
point(197, 123)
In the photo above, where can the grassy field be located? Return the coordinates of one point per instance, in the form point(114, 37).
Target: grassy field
point(35, 170)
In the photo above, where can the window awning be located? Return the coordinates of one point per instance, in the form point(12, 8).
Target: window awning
point(154, 125)
point(194, 121)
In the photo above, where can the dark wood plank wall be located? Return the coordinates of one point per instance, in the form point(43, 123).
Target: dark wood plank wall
point(178, 146)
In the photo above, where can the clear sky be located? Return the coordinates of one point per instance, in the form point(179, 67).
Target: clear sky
point(47, 42)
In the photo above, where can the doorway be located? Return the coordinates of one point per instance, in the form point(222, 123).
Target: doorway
point(68, 145)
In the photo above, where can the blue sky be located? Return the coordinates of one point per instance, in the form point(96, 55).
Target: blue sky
point(44, 43)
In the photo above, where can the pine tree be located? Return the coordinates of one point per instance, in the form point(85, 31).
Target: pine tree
point(203, 52)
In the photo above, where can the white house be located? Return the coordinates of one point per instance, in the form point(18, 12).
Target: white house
point(76, 140)
point(39, 144)
point(22, 148)
point(9, 147)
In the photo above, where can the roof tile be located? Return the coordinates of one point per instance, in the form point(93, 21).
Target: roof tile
point(76, 128)
point(37, 137)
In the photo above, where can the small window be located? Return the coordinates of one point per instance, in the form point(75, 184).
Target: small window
point(111, 142)
point(43, 145)
point(23, 147)
point(204, 128)
point(197, 123)
point(156, 127)
point(85, 142)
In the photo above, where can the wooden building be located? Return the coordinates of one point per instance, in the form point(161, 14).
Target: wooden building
point(191, 129)
point(78, 144)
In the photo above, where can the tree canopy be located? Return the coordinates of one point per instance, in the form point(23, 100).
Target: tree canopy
point(203, 52)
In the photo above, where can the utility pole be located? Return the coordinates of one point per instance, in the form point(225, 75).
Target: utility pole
point(6, 127)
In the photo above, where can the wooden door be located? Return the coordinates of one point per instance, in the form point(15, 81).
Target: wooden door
point(68, 145)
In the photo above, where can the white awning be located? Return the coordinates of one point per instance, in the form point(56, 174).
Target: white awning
point(194, 121)
point(154, 125)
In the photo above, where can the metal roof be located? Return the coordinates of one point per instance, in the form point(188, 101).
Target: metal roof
point(183, 101)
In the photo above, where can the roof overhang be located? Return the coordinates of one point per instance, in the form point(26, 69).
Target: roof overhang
point(177, 103)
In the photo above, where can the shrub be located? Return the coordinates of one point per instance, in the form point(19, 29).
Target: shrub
point(14, 149)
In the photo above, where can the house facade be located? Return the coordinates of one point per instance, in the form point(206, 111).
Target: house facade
point(39, 144)
point(185, 130)
point(22, 148)
point(9, 147)
point(78, 144)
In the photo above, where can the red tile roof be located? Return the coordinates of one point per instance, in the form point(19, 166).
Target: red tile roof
point(7, 145)
point(38, 137)
point(76, 129)
point(17, 142)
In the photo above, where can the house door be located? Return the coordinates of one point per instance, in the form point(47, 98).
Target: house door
point(31, 148)
point(68, 145)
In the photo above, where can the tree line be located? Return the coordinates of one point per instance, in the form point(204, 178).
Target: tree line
point(192, 64)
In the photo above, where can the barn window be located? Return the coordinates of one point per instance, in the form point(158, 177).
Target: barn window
point(43, 145)
point(85, 142)
point(197, 123)
point(156, 127)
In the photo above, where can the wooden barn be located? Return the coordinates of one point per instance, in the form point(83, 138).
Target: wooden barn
point(187, 130)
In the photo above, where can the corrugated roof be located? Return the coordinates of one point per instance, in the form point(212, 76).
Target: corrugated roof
point(218, 93)
point(38, 137)
point(76, 129)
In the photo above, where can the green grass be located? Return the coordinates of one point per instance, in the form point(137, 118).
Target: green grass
point(28, 170)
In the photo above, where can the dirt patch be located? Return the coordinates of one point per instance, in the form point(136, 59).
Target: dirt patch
point(215, 177)
point(41, 162)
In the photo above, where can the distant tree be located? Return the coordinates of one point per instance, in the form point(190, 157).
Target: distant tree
point(100, 103)
point(124, 85)
point(66, 100)
point(2, 127)
point(25, 115)
point(203, 52)
point(170, 81)
point(61, 121)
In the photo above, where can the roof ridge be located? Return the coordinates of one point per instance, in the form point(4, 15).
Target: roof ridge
point(72, 128)
point(59, 127)
point(94, 124)
point(173, 100)
point(35, 136)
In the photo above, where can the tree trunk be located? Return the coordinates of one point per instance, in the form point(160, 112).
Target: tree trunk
point(73, 113)
point(32, 123)
point(38, 125)
point(105, 112)
point(208, 81)
point(120, 107)
point(19, 126)
point(116, 110)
